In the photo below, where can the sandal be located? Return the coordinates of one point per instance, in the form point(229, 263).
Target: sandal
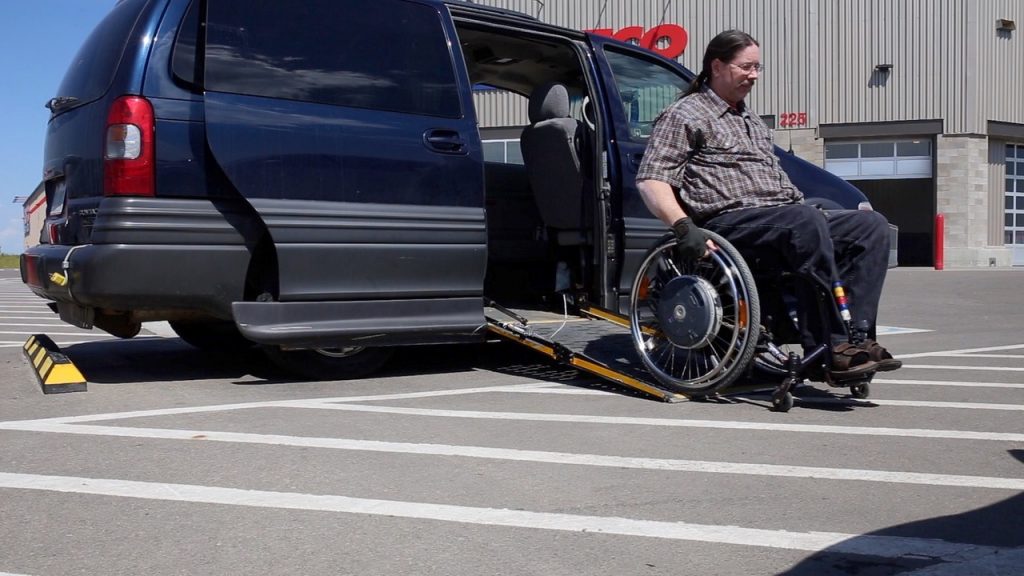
point(850, 361)
point(880, 356)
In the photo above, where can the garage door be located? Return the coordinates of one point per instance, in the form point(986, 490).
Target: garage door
point(897, 177)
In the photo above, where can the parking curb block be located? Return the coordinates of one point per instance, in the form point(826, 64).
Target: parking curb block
point(56, 372)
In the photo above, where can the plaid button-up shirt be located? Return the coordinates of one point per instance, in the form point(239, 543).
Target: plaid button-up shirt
point(735, 168)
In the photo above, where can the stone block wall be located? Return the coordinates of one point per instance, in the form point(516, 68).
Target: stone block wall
point(804, 143)
point(962, 195)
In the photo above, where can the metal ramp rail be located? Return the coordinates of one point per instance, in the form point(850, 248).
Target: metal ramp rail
point(596, 341)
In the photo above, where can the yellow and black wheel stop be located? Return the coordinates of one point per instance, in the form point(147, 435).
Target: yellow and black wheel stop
point(55, 371)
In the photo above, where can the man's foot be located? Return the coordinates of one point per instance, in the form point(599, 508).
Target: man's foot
point(849, 361)
point(880, 356)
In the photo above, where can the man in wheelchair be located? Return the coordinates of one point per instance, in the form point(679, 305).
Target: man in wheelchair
point(710, 164)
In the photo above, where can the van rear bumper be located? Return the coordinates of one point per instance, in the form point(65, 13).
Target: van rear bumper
point(133, 277)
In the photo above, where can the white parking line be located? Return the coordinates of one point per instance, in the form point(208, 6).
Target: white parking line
point(894, 330)
point(345, 403)
point(906, 403)
point(977, 368)
point(14, 424)
point(962, 351)
point(878, 546)
point(508, 454)
point(916, 403)
point(677, 423)
point(999, 356)
point(949, 383)
point(82, 334)
point(55, 323)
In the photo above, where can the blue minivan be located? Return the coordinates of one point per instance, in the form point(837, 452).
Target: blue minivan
point(309, 176)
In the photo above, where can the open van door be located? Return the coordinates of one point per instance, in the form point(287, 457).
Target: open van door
point(352, 134)
point(639, 86)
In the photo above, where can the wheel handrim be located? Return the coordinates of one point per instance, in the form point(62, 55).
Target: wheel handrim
point(695, 367)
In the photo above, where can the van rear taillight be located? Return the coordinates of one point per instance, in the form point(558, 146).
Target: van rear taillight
point(128, 166)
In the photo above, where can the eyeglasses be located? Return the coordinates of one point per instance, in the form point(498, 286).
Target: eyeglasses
point(749, 67)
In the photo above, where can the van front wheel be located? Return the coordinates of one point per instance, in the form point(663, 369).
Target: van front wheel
point(329, 363)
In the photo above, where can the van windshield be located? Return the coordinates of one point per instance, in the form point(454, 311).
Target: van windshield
point(92, 68)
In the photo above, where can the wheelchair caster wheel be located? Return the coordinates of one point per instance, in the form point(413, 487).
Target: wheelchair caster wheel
point(860, 391)
point(782, 402)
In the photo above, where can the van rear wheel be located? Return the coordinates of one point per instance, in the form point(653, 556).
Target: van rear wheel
point(329, 363)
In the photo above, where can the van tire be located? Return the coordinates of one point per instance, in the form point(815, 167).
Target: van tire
point(329, 363)
point(212, 336)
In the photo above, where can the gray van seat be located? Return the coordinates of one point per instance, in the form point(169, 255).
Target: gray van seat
point(550, 147)
point(512, 218)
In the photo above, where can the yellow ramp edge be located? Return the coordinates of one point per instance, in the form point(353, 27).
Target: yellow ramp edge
point(55, 371)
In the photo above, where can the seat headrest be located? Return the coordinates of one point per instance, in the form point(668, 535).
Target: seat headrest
point(549, 101)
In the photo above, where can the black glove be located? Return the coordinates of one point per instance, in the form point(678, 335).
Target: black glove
point(691, 242)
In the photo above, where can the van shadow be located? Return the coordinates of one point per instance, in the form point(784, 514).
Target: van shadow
point(999, 525)
point(150, 360)
point(168, 359)
point(617, 352)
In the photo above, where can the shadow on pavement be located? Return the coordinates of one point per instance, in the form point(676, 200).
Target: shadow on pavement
point(146, 360)
point(998, 525)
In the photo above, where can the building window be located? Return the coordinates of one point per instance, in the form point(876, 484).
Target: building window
point(503, 151)
point(1013, 223)
point(879, 159)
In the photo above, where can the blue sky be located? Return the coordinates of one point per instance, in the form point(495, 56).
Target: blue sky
point(38, 38)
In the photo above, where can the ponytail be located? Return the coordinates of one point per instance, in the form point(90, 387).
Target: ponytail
point(697, 83)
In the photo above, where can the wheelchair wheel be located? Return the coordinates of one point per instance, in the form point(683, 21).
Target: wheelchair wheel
point(694, 323)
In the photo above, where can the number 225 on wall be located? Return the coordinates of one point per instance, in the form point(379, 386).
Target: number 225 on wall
point(792, 119)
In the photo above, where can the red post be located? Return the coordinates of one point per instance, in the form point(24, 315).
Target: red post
point(940, 228)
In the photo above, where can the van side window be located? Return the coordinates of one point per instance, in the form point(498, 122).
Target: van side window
point(645, 89)
point(93, 67)
point(183, 59)
point(379, 54)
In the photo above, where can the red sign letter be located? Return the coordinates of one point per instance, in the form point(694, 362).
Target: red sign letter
point(674, 36)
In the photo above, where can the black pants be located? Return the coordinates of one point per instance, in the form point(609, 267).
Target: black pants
point(851, 246)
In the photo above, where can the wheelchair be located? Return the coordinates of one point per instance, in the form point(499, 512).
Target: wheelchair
point(700, 326)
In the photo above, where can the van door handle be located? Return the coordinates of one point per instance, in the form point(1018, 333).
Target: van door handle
point(635, 160)
point(446, 141)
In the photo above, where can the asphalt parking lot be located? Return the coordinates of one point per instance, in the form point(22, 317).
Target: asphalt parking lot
point(484, 460)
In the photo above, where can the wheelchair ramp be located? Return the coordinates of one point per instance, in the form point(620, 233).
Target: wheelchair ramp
point(596, 341)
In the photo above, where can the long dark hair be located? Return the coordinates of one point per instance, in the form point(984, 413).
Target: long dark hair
point(723, 47)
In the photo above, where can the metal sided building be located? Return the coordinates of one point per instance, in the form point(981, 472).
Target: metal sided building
point(916, 102)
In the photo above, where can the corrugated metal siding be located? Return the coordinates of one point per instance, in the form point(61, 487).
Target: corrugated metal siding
point(782, 27)
point(500, 108)
point(922, 39)
point(949, 61)
point(1002, 53)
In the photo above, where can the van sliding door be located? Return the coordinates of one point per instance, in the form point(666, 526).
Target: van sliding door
point(349, 129)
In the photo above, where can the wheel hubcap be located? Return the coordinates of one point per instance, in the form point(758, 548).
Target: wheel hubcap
point(689, 312)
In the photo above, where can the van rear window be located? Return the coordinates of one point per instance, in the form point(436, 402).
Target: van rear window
point(380, 54)
point(93, 67)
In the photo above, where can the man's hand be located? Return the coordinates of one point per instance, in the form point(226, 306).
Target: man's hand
point(691, 242)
